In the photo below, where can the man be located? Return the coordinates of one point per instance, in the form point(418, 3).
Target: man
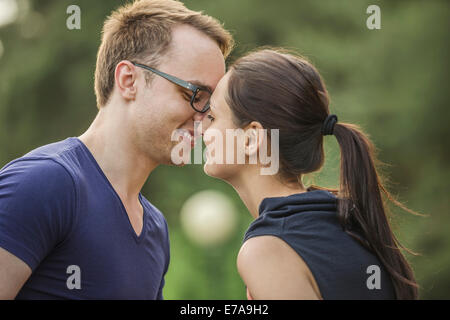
point(73, 223)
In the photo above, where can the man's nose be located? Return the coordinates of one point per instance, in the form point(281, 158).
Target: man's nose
point(200, 124)
point(199, 116)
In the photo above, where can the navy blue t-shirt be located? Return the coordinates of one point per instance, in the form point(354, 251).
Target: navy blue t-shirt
point(61, 216)
point(341, 266)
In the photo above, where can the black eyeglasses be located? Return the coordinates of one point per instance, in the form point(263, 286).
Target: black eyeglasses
point(200, 95)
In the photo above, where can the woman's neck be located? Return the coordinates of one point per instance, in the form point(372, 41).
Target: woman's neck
point(253, 187)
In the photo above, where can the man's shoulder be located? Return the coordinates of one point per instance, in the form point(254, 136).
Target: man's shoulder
point(38, 202)
point(53, 150)
point(46, 163)
point(43, 170)
point(36, 175)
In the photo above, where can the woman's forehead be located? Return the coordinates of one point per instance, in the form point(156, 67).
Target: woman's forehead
point(220, 90)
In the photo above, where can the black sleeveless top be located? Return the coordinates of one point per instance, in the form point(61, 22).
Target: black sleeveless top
point(341, 266)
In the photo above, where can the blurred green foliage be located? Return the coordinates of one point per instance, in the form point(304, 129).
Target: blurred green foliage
point(393, 82)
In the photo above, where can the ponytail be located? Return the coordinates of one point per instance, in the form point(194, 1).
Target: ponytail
point(361, 210)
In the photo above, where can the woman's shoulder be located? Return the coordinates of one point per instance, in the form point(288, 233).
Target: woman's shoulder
point(271, 269)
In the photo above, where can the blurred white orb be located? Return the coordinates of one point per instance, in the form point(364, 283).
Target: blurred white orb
point(8, 12)
point(208, 218)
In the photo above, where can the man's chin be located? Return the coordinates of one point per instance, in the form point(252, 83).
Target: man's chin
point(176, 165)
point(180, 157)
point(178, 162)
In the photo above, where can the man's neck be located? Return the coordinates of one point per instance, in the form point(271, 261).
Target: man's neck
point(123, 165)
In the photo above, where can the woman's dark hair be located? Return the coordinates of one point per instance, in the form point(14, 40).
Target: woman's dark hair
point(284, 91)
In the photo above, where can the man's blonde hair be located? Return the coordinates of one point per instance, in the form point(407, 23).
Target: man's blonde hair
point(142, 31)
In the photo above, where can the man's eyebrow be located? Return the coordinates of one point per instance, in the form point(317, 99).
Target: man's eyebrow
point(200, 84)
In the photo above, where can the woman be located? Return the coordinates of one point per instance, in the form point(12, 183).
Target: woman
point(309, 243)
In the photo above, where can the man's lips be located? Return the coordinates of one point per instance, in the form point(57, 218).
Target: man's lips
point(192, 137)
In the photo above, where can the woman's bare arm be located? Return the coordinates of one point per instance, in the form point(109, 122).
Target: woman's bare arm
point(272, 270)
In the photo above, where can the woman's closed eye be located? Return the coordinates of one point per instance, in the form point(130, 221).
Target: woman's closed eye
point(210, 117)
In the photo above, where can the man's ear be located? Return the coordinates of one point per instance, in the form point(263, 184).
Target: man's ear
point(125, 78)
point(254, 137)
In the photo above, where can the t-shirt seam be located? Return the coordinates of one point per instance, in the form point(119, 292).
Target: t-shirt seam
point(75, 206)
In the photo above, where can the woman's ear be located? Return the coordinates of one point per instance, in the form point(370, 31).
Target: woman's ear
point(254, 137)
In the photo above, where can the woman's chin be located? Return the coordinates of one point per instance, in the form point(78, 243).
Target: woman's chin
point(214, 170)
point(209, 170)
point(220, 171)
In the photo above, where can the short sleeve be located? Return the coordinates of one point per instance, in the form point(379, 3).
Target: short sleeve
point(37, 204)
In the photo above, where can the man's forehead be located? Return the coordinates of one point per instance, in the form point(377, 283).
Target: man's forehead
point(187, 37)
point(196, 58)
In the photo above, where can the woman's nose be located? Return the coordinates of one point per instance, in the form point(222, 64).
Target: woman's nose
point(201, 123)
